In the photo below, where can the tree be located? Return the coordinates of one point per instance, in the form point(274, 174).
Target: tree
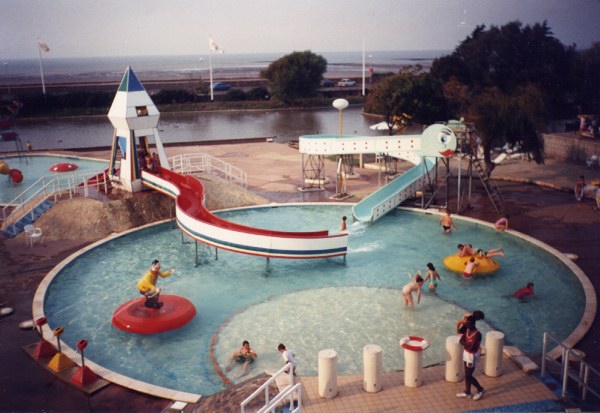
point(587, 80)
point(508, 58)
point(514, 119)
point(507, 78)
point(294, 76)
point(410, 94)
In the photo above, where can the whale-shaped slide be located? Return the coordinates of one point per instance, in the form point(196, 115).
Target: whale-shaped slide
point(200, 224)
point(435, 141)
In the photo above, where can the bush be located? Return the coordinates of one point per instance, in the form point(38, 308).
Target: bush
point(234, 94)
point(258, 93)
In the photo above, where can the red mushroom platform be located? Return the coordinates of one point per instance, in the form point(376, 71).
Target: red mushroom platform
point(134, 317)
point(63, 167)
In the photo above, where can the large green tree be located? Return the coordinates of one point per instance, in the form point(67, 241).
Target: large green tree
point(505, 79)
point(410, 94)
point(294, 76)
point(587, 80)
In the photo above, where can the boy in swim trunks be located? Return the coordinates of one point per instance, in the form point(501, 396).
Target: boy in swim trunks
point(447, 223)
point(470, 268)
point(244, 355)
point(408, 289)
point(498, 252)
point(466, 250)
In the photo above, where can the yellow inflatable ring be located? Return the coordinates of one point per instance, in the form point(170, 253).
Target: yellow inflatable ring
point(457, 264)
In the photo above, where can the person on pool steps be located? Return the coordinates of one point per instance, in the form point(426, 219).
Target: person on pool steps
point(147, 285)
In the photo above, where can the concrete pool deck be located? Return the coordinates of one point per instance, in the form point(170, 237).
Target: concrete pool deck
point(546, 212)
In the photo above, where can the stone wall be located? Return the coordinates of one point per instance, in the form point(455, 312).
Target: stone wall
point(569, 146)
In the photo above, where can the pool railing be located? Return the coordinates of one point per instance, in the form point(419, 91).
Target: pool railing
point(208, 164)
point(292, 390)
point(46, 187)
point(581, 377)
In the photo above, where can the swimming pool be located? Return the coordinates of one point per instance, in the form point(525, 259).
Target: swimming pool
point(35, 166)
point(308, 305)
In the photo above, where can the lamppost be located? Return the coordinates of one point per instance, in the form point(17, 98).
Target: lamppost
point(6, 73)
point(340, 187)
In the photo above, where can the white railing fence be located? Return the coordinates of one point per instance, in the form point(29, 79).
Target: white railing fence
point(50, 186)
point(583, 376)
point(270, 405)
point(208, 164)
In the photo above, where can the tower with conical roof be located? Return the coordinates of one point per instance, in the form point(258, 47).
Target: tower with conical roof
point(135, 120)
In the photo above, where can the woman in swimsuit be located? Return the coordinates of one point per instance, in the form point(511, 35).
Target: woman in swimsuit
point(432, 275)
point(414, 285)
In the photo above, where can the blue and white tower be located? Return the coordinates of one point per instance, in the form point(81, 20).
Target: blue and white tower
point(135, 119)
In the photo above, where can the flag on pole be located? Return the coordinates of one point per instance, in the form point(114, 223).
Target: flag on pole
point(213, 46)
point(43, 46)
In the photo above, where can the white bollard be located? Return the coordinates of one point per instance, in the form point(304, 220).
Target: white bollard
point(413, 360)
point(494, 346)
point(455, 370)
point(372, 361)
point(328, 373)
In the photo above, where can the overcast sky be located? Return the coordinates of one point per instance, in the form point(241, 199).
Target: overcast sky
point(78, 28)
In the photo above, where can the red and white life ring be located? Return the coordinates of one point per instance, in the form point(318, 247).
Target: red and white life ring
point(413, 343)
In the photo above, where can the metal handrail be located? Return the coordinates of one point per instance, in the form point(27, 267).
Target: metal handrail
point(265, 387)
point(582, 377)
point(272, 407)
point(49, 186)
point(205, 163)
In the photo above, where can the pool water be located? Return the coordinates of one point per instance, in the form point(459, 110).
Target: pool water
point(35, 167)
point(308, 305)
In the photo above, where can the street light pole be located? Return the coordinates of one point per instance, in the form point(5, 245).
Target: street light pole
point(340, 190)
point(6, 72)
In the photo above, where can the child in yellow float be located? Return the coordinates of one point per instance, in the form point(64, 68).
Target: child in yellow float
point(147, 285)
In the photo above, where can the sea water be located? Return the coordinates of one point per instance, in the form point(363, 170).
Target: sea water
point(309, 305)
point(228, 65)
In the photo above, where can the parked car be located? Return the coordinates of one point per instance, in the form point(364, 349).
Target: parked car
point(346, 82)
point(327, 83)
point(220, 86)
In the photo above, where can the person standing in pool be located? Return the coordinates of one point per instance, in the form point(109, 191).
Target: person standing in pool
point(147, 285)
point(471, 341)
point(244, 355)
point(470, 268)
point(432, 275)
point(343, 226)
point(414, 285)
point(447, 223)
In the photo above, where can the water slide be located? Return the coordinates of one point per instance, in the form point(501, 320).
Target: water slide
point(198, 223)
point(393, 194)
point(435, 141)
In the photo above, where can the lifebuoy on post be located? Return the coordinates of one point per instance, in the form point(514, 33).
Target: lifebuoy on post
point(414, 343)
point(413, 359)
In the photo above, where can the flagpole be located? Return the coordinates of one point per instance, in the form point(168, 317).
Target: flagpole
point(41, 68)
point(210, 68)
point(363, 68)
